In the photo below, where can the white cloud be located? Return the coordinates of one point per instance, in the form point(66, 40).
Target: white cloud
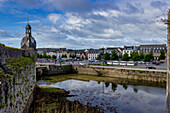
point(86, 24)
point(11, 39)
point(4, 34)
point(54, 17)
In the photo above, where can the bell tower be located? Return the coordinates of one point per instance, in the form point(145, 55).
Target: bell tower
point(28, 42)
point(28, 30)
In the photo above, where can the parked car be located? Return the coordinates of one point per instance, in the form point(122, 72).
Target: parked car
point(91, 60)
point(109, 62)
point(154, 62)
point(131, 63)
point(162, 61)
point(157, 63)
point(151, 67)
point(140, 62)
point(82, 63)
point(123, 63)
point(116, 63)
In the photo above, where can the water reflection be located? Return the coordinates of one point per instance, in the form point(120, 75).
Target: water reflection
point(115, 97)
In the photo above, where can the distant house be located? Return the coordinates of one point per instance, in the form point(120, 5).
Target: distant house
point(118, 50)
point(145, 49)
point(130, 49)
point(92, 54)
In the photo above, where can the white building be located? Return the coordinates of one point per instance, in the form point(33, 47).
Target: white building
point(129, 50)
point(92, 54)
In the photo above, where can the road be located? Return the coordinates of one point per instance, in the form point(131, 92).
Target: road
point(161, 67)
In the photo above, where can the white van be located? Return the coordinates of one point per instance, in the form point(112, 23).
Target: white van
point(110, 62)
point(116, 63)
point(131, 63)
point(123, 63)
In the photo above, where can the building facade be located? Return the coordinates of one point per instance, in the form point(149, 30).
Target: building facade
point(155, 49)
point(92, 54)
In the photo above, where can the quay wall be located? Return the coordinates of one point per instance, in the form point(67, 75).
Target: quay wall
point(54, 70)
point(122, 73)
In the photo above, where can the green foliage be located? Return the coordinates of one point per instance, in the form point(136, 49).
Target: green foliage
point(162, 55)
point(101, 48)
point(49, 56)
point(107, 56)
point(18, 64)
point(2, 105)
point(148, 57)
point(140, 71)
point(50, 89)
point(99, 57)
point(114, 55)
point(72, 55)
point(40, 56)
point(125, 57)
point(10, 80)
point(120, 56)
point(64, 56)
point(2, 97)
point(44, 55)
point(141, 56)
point(33, 58)
point(54, 57)
point(11, 104)
point(135, 56)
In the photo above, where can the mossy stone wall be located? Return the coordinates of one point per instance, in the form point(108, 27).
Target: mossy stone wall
point(18, 78)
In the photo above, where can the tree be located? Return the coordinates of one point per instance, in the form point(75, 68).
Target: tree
point(120, 56)
point(114, 55)
point(162, 56)
point(135, 56)
point(142, 56)
point(72, 55)
point(99, 57)
point(64, 56)
point(148, 57)
point(41, 56)
point(101, 48)
point(49, 56)
point(107, 56)
point(44, 55)
point(38, 55)
point(54, 57)
point(125, 57)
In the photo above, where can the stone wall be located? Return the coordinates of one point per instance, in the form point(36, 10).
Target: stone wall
point(123, 73)
point(17, 79)
point(17, 85)
point(54, 70)
point(8, 53)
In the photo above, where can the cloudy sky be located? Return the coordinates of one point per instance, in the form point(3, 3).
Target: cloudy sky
point(84, 23)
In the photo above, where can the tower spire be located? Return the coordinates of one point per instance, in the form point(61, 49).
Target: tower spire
point(27, 19)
